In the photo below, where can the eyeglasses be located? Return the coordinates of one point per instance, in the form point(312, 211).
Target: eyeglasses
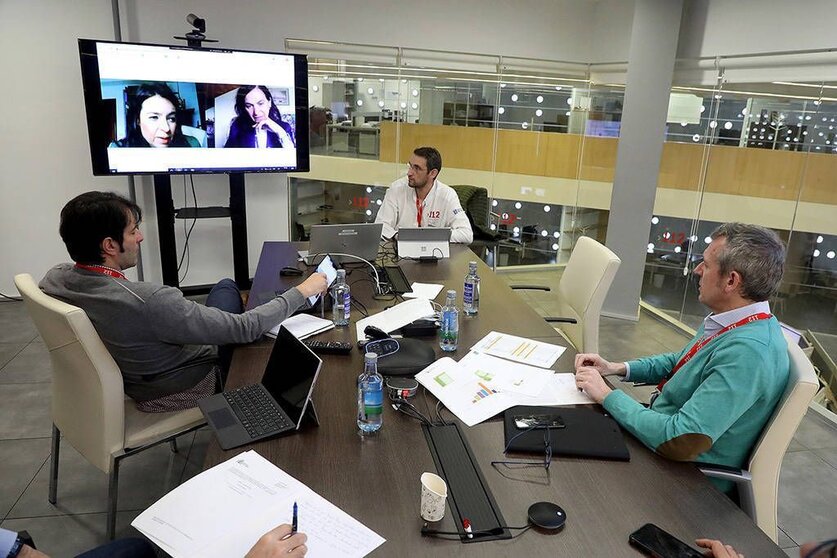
point(415, 168)
point(819, 551)
point(547, 450)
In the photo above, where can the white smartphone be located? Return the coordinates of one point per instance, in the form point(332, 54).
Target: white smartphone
point(326, 266)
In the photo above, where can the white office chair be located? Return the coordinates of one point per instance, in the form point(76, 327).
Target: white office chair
point(758, 485)
point(89, 405)
point(582, 291)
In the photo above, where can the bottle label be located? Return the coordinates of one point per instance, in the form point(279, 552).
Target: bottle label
point(468, 293)
point(373, 402)
point(347, 305)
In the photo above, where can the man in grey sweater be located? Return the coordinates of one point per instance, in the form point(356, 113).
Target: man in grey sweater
point(164, 344)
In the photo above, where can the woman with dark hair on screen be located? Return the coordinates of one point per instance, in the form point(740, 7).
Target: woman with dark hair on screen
point(151, 119)
point(257, 122)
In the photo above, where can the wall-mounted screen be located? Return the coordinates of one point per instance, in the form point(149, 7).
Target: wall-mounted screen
point(155, 109)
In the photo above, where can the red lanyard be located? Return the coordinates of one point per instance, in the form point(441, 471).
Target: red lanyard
point(699, 345)
point(419, 207)
point(103, 270)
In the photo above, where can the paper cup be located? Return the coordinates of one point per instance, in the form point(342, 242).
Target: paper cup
point(434, 491)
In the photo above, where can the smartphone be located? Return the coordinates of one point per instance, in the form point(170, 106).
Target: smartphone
point(525, 422)
point(326, 266)
point(653, 541)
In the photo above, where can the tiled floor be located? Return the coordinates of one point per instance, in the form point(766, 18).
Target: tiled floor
point(808, 482)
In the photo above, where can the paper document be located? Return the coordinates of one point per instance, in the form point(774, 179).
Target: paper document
point(519, 349)
point(424, 290)
point(507, 376)
point(302, 326)
point(223, 511)
point(397, 316)
point(559, 390)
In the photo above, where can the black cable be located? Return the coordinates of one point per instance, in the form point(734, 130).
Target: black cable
point(413, 412)
point(189, 233)
point(11, 298)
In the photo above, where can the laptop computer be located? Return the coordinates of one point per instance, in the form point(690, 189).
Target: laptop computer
point(359, 239)
point(415, 242)
point(276, 405)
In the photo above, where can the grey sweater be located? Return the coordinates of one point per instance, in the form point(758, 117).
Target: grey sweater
point(162, 342)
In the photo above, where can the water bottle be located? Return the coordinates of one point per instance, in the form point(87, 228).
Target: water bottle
point(370, 397)
point(341, 297)
point(471, 294)
point(449, 332)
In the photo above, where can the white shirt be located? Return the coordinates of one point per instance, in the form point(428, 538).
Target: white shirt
point(713, 323)
point(441, 208)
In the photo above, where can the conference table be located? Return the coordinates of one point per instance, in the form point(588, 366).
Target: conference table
point(376, 479)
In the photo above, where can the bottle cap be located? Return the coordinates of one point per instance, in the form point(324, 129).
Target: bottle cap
point(371, 356)
point(341, 273)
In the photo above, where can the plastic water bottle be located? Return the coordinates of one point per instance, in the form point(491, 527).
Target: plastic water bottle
point(370, 397)
point(341, 297)
point(449, 332)
point(471, 293)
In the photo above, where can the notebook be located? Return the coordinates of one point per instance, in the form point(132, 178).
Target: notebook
point(276, 405)
point(586, 433)
point(415, 242)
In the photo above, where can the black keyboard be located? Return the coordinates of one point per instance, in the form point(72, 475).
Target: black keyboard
point(398, 282)
point(258, 413)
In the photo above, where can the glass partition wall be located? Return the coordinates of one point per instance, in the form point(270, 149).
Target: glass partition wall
point(760, 149)
point(517, 128)
point(747, 139)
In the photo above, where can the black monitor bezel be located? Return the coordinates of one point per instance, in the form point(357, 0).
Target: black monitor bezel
point(99, 141)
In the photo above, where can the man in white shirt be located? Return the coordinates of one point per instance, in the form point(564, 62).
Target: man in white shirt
point(419, 200)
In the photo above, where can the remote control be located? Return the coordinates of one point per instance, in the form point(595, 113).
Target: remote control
point(329, 347)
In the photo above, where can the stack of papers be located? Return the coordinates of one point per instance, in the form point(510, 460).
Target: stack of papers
point(399, 315)
point(302, 326)
point(501, 371)
point(424, 290)
point(223, 511)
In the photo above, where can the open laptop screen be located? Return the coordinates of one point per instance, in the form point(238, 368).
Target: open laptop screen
point(291, 373)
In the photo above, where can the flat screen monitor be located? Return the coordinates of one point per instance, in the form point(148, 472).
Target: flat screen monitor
point(156, 109)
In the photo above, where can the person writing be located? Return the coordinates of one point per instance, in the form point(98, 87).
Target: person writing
point(280, 541)
point(169, 349)
point(151, 119)
point(257, 122)
point(420, 200)
point(715, 396)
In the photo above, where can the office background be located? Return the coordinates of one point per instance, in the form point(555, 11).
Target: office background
point(44, 160)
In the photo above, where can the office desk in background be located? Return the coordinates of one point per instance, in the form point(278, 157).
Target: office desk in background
point(376, 480)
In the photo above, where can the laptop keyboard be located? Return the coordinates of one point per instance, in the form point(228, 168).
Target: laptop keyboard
point(257, 412)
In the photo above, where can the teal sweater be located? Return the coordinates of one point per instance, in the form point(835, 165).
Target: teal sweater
point(714, 408)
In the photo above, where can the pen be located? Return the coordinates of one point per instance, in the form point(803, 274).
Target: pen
point(466, 523)
point(294, 522)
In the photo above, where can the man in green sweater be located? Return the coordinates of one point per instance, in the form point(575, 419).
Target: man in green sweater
point(715, 396)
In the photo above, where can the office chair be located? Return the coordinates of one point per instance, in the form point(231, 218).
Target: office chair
point(89, 405)
point(474, 200)
point(758, 484)
point(582, 291)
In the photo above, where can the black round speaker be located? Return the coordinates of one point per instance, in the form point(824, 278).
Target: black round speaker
point(547, 515)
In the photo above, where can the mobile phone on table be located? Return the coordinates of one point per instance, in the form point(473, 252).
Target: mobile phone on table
point(653, 541)
point(327, 267)
point(525, 422)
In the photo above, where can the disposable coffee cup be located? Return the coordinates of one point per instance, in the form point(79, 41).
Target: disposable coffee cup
point(434, 491)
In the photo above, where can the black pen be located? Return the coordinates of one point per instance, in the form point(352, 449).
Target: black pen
point(294, 521)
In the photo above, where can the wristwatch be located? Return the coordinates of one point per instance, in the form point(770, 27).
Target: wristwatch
point(16, 547)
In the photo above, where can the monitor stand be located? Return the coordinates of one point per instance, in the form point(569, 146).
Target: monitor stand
point(166, 215)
